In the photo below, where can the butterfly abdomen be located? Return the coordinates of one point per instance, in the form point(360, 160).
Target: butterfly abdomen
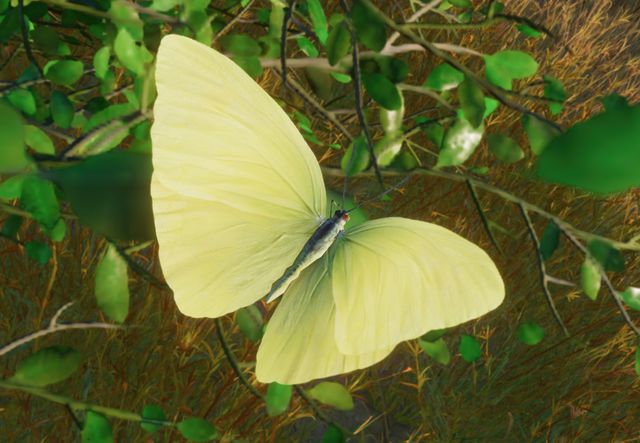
point(313, 249)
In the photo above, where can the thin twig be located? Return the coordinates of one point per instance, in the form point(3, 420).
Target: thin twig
point(631, 245)
point(413, 18)
point(605, 278)
point(543, 270)
point(140, 270)
point(358, 103)
point(231, 22)
point(54, 326)
point(25, 38)
point(234, 363)
point(483, 216)
point(283, 41)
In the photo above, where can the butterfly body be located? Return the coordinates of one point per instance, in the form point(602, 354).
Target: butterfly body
point(313, 249)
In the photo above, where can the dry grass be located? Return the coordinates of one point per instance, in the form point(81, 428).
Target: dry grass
point(578, 389)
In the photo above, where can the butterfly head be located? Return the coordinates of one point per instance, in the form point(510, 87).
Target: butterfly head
point(341, 216)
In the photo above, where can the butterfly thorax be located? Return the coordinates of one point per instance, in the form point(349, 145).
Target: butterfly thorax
point(321, 240)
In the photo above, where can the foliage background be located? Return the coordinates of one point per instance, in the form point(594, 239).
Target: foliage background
point(581, 388)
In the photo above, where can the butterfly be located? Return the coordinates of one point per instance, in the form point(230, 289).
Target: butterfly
point(240, 210)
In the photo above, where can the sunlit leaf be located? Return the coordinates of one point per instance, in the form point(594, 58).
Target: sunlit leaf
point(307, 47)
point(505, 66)
point(249, 320)
point(12, 155)
point(472, 101)
point(63, 72)
point(278, 398)
point(599, 155)
point(128, 52)
point(23, 100)
point(62, 110)
point(357, 157)
point(332, 394)
point(101, 61)
point(504, 148)
point(460, 141)
point(112, 285)
point(436, 349)
point(387, 148)
point(47, 366)
point(370, 30)
point(530, 333)
point(549, 240)
point(382, 90)
point(38, 140)
point(444, 77)
point(251, 65)
point(318, 19)
point(152, 412)
point(197, 429)
point(539, 133)
point(528, 31)
point(338, 43)
point(470, 349)
point(96, 429)
point(590, 278)
point(631, 297)
point(340, 77)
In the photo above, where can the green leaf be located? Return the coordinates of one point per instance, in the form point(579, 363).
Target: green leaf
point(12, 155)
point(539, 133)
point(58, 232)
point(23, 100)
point(197, 429)
point(504, 148)
point(460, 141)
point(63, 72)
point(307, 47)
point(631, 297)
point(470, 349)
point(47, 40)
point(370, 30)
point(40, 252)
point(333, 434)
point(382, 90)
point(128, 52)
point(164, 5)
point(36, 139)
point(11, 225)
point(444, 77)
point(278, 397)
point(101, 60)
point(112, 285)
point(549, 240)
point(249, 320)
point(12, 187)
point(434, 335)
point(590, 278)
point(614, 101)
point(332, 394)
point(96, 429)
point(318, 19)
point(9, 24)
point(609, 257)
point(505, 66)
point(472, 101)
point(240, 45)
point(528, 31)
point(110, 193)
point(108, 114)
point(39, 199)
point(351, 164)
point(530, 333)
point(62, 110)
point(251, 65)
point(554, 90)
point(340, 77)
point(338, 43)
point(461, 3)
point(394, 69)
point(387, 148)
point(599, 155)
point(437, 350)
point(433, 130)
point(152, 412)
point(47, 366)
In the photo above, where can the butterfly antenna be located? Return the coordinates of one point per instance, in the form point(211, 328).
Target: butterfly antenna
point(379, 196)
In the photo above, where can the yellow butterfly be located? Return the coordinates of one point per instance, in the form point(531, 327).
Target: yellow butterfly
point(237, 196)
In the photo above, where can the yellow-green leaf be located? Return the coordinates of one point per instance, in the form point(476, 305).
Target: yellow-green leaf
point(112, 286)
point(332, 394)
point(47, 366)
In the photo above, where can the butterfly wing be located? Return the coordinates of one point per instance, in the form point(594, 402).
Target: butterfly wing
point(299, 343)
point(236, 190)
point(394, 279)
